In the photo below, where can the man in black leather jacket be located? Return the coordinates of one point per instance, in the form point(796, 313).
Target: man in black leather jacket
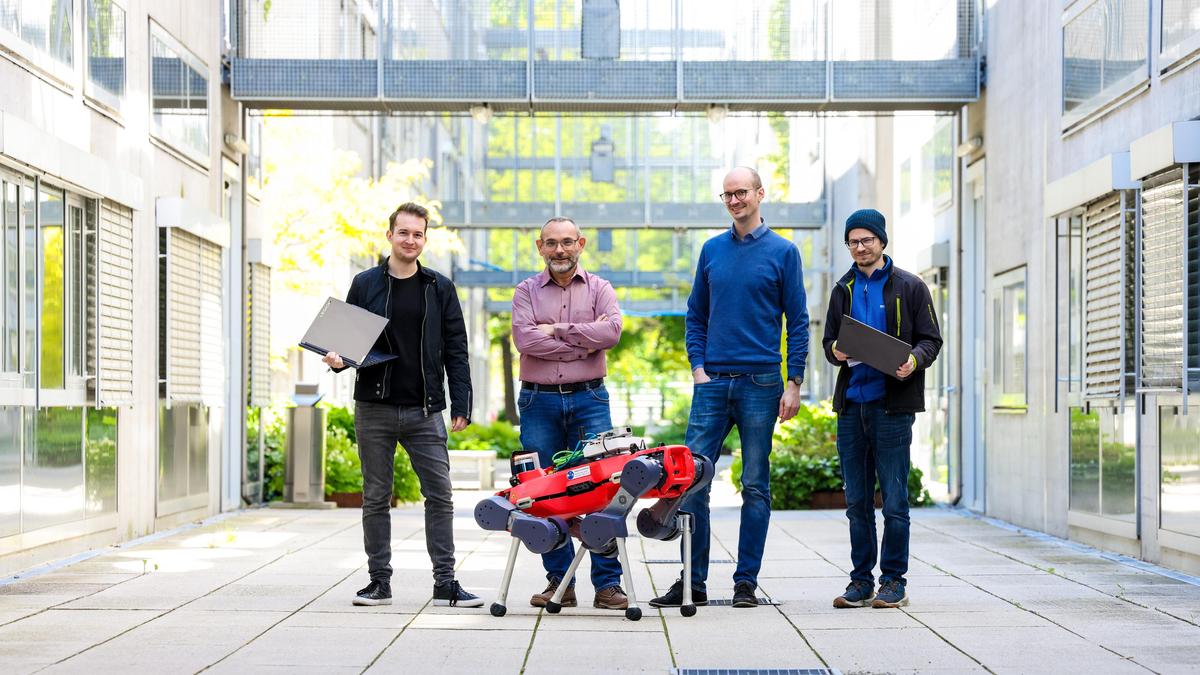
point(401, 400)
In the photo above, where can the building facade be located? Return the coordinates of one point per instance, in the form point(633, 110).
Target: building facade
point(123, 172)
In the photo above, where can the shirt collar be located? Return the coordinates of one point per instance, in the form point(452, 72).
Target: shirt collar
point(756, 233)
point(544, 277)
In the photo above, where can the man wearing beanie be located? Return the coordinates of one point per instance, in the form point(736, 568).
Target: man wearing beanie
point(876, 410)
point(747, 279)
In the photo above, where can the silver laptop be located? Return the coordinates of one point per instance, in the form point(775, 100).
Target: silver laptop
point(348, 330)
point(883, 352)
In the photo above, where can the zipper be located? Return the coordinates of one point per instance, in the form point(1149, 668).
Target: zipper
point(387, 367)
point(421, 360)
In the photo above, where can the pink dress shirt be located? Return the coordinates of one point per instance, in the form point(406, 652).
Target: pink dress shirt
point(575, 353)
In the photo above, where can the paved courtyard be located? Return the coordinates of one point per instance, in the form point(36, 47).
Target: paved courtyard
point(269, 590)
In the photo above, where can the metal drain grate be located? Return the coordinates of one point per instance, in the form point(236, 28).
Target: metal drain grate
point(728, 602)
point(754, 671)
point(676, 562)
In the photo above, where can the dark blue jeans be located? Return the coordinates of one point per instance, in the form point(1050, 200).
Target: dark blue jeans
point(872, 443)
point(751, 402)
point(551, 422)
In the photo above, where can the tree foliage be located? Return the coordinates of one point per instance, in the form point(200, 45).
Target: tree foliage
point(321, 208)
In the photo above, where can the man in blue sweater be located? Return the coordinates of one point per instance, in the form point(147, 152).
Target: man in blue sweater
point(747, 279)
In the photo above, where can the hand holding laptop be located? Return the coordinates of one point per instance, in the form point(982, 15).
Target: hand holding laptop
point(334, 361)
point(864, 344)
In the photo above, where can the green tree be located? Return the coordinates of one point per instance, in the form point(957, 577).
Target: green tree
point(321, 208)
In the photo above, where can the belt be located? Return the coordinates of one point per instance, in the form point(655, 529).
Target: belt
point(714, 374)
point(568, 388)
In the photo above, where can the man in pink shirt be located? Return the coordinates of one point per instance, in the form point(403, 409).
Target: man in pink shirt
point(562, 321)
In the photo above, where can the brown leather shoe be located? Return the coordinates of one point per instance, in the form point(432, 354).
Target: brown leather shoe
point(540, 599)
point(611, 598)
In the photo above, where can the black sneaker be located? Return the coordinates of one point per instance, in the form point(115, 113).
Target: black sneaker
point(674, 597)
point(743, 595)
point(376, 593)
point(451, 594)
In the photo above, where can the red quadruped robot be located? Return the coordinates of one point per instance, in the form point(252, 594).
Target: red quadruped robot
point(587, 495)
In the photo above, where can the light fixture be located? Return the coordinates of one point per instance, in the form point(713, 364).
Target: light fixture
point(237, 144)
point(481, 112)
point(717, 113)
point(969, 146)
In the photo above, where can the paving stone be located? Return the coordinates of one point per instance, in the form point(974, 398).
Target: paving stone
point(473, 652)
point(886, 650)
point(310, 646)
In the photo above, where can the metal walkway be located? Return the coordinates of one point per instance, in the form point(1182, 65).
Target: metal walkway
point(635, 56)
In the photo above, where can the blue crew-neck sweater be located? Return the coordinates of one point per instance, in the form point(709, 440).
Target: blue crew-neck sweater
point(742, 291)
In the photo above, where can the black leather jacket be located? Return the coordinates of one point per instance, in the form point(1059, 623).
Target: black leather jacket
point(443, 341)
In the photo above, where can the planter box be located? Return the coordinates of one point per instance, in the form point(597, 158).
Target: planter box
point(349, 500)
point(836, 499)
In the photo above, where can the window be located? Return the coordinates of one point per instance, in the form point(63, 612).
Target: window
point(1164, 297)
point(905, 187)
point(1179, 443)
point(1104, 461)
point(1180, 27)
point(1070, 304)
point(45, 24)
point(254, 162)
point(106, 48)
point(937, 160)
point(1109, 225)
point(1192, 214)
point(1009, 344)
point(10, 299)
point(53, 265)
point(1104, 54)
point(179, 97)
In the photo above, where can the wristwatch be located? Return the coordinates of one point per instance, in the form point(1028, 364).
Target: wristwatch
point(797, 380)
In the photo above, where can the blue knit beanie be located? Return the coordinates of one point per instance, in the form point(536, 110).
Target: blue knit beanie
point(868, 219)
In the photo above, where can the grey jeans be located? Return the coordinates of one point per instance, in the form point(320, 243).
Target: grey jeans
point(379, 427)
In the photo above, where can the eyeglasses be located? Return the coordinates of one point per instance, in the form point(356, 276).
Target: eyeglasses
point(865, 242)
point(565, 243)
point(740, 194)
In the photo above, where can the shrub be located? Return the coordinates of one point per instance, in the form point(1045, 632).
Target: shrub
point(804, 460)
point(794, 479)
point(813, 431)
point(343, 469)
point(499, 436)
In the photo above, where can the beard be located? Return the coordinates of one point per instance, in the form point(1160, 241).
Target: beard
point(562, 265)
point(866, 260)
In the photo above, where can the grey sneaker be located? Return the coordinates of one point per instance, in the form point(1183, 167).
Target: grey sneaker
point(891, 594)
point(858, 594)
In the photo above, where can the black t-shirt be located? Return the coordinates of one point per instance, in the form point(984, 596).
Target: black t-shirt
point(406, 311)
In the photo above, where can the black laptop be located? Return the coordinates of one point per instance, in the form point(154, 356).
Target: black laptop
point(348, 330)
point(883, 352)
